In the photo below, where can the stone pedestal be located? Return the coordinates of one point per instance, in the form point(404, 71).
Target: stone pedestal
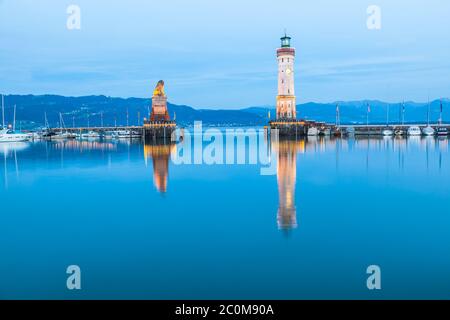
point(159, 109)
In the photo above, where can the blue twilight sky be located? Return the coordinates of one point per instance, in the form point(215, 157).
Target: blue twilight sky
point(221, 54)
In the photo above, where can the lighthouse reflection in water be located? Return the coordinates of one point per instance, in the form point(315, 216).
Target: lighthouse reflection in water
point(286, 151)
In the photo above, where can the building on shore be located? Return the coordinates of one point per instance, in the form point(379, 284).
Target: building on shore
point(286, 107)
point(159, 126)
point(286, 111)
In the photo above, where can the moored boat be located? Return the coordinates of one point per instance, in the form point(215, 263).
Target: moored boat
point(313, 131)
point(414, 131)
point(325, 132)
point(8, 135)
point(127, 134)
point(428, 131)
point(442, 131)
point(90, 135)
point(399, 132)
point(350, 131)
point(387, 132)
point(63, 136)
point(32, 136)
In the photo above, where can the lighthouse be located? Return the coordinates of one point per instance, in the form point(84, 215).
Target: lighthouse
point(286, 109)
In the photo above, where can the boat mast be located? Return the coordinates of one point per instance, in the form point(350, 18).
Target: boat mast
point(403, 113)
point(440, 115)
point(14, 122)
point(63, 124)
point(367, 120)
point(428, 112)
point(338, 118)
point(46, 124)
point(387, 115)
point(3, 111)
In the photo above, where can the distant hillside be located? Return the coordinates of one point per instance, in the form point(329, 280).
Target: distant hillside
point(80, 110)
point(356, 111)
point(31, 109)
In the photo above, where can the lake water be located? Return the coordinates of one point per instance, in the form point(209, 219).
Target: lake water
point(140, 225)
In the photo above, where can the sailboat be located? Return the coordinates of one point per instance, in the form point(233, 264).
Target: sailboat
point(399, 131)
point(89, 134)
point(337, 130)
point(8, 134)
point(441, 131)
point(387, 131)
point(428, 130)
point(414, 131)
point(63, 134)
point(46, 132)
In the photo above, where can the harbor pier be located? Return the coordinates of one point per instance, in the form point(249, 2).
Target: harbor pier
point(102, 129)
point(377, 129)
point(303, 128)
point(154, 130)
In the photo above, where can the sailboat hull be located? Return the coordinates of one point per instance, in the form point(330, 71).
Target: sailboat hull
point(428, 131)
point(13, 137)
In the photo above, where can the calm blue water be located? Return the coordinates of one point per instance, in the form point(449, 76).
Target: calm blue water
point(140, 226)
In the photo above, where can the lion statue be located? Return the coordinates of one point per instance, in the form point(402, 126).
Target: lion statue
point(159, 89)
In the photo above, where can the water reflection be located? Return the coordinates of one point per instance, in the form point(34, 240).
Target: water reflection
point(351, 190)
point(374, 154)
point(10, 150)
point(160, 154)
point(387, 155)
point(85, 145)
point(286, 151)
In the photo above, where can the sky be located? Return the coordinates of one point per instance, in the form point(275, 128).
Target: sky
point(222, 54)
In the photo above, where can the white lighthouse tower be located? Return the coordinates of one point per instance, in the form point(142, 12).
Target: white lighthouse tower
point(286, 109)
